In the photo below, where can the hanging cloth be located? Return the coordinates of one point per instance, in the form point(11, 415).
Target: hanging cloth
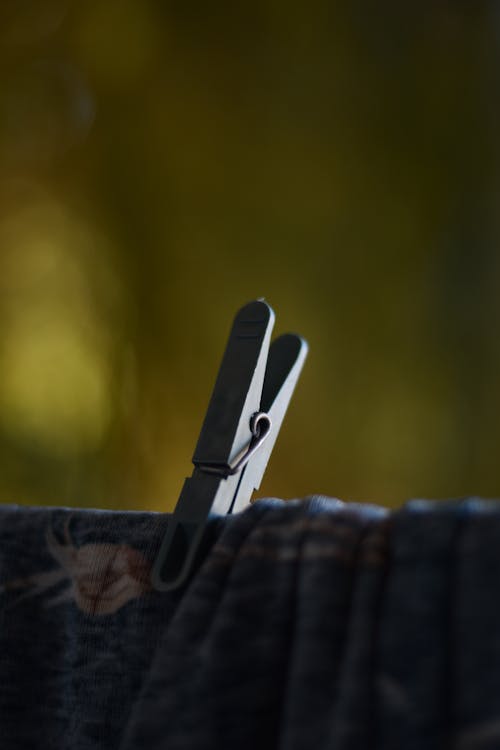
point(309, 624)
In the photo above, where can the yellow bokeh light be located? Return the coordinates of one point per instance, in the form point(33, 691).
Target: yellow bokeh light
point(55, 387)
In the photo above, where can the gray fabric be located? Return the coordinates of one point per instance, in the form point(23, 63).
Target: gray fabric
point(310, 624)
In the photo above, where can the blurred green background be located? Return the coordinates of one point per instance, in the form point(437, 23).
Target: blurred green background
point(162, 163)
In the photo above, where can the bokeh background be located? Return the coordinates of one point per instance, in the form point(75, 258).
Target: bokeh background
point(162, 163)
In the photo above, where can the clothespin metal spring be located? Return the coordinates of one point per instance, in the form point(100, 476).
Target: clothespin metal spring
point(260, 427)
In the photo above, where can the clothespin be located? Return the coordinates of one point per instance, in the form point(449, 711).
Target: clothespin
point(250, 398)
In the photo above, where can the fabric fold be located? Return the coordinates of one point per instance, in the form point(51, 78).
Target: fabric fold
point(271, 646)
point(309, 624)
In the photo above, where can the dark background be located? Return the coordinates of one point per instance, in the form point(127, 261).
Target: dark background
point(161, 163)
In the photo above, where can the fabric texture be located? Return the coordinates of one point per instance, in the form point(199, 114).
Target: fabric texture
point(309, 624)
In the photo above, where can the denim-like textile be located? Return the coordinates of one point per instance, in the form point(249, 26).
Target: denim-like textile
point(78, 624)
point(309, 625)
